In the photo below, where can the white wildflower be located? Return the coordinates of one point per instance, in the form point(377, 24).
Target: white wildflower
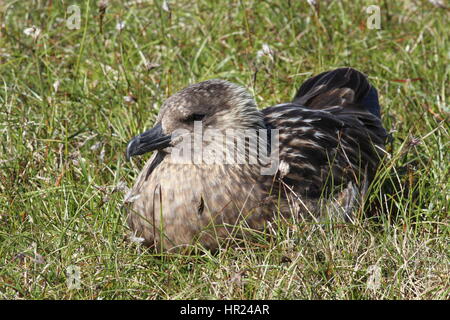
point(56, 85)
point(129, 99)
point(265, 51)
point(33, 32)
point(120, 25)
point(284, 168)
point(165, 6)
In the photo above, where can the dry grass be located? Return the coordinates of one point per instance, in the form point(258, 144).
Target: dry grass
point(65, 122)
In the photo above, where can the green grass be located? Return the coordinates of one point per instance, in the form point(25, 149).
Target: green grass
point(63, 170)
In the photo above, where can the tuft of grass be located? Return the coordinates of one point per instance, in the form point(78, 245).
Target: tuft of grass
point(70, 99)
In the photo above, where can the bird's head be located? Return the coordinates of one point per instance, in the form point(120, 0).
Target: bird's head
point(215, 104)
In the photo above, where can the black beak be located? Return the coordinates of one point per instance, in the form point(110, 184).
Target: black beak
point(153, 139)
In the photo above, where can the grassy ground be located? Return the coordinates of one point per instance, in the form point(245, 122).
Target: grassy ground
point(70, 99)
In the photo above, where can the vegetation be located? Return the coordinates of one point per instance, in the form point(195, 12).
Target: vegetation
point(71, 98)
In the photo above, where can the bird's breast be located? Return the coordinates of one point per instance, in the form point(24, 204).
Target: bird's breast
point(179, 203)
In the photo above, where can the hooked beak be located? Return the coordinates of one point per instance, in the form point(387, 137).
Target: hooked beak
point(153, 139)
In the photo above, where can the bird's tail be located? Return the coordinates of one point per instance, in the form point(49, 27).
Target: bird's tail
point(344, 87)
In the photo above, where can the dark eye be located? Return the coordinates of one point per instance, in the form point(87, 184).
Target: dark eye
point(196, 117)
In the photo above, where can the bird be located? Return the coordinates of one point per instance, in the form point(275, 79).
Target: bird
point(315, 158)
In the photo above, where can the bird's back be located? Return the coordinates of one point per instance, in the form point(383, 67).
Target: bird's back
point(331, 138)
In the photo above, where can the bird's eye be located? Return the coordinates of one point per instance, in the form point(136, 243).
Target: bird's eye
point(196, 117)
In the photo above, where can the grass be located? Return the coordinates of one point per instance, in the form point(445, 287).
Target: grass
point(65, 122)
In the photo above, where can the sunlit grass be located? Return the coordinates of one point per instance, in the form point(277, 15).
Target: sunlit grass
point(71, 99)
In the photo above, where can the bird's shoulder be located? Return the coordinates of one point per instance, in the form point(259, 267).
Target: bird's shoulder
point(317, 143)
point(296, 118)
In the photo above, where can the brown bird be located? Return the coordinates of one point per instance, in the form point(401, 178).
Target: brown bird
point(326, 146)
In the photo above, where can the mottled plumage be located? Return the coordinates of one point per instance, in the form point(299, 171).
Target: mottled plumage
point(330, 144)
